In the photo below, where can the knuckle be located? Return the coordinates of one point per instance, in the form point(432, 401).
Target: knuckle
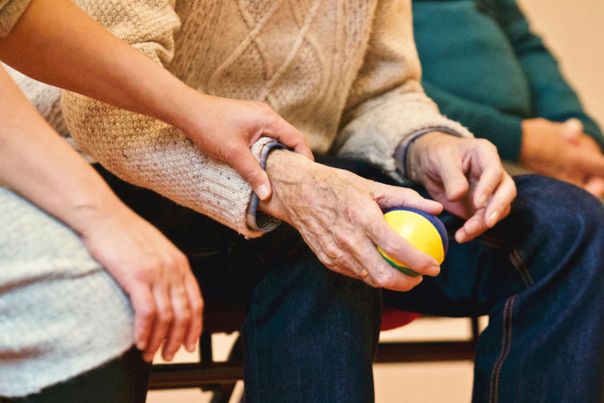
point(347, 239)
point(182, 260)
point(169, 262)
point(383, 278)
point(331, 251)
point(146, 271)
point(165, 316)
point(183, 316)
point(488, 146)
point(147, 313)
point(393, 247)
point(196, 308)
point(407, 286)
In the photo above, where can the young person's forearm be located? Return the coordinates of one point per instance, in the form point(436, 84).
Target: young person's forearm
point(36, 163)
point(57, 43)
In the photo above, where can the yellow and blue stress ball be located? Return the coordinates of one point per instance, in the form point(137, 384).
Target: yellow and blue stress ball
point(423, 231)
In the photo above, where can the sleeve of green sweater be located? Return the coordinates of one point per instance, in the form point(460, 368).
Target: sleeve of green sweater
point(10, 12)
point(553, 98)
point(501, 129)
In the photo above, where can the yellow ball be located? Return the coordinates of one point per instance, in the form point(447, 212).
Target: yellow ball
point(423, 231)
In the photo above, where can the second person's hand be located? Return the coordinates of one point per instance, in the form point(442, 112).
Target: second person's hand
point(156, 276)
point(225, 129)
point(563, 151)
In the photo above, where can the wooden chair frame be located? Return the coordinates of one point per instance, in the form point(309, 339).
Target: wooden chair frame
point(221, 377)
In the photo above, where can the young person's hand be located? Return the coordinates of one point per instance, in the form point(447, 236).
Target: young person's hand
point(225, 129)
point(156, 276)
point(36, 163)
point(466, 176)
point(563, 151)
point(97, 64)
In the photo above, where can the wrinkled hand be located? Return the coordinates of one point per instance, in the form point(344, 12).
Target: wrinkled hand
point(154, 273)
point(338, 214)
point(226, 128)
point(563, 151)
point(466, 176)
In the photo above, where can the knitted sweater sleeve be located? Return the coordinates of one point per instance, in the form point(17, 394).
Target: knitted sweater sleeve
point(10, 12)
point(387, 103)
point(147, 152)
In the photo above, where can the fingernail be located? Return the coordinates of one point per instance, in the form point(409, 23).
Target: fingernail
point(493, 218)
point(482, 201)
point(141, 345)
point(262, 192)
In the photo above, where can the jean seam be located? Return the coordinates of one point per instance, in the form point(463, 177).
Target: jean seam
point(515, 259)
point(505, 349)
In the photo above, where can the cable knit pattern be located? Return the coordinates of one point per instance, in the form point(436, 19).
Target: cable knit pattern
point(61, 314)
point(344, 72)
point(10, 12)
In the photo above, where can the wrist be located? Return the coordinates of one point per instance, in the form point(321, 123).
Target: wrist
point(88, 215)
point(532, 138)
point(182, 108)
point(418, 149)
point(285, 169)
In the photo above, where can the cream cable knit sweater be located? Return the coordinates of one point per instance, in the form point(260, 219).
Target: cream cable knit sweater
point(10, 11)
point(344, 72)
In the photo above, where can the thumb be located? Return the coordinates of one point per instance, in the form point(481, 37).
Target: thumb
point(454, 181)
point(572, 130)
point(250, 170)
point(595, 186)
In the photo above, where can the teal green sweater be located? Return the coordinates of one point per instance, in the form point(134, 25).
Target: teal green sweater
point(485, 68)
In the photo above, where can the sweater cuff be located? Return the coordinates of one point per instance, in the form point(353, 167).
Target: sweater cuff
point(10, 12)
point(594, 132)
point(402, 150)
point(505, 133)
point(257, 220)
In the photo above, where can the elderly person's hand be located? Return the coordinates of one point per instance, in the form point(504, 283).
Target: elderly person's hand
point(563, 151)
point(164, 293)
point(466, 176)
point(339, 216)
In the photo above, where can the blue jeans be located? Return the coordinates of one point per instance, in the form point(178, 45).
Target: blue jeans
point(310, 334)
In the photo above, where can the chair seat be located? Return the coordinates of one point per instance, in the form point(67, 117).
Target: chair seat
point(393, 318)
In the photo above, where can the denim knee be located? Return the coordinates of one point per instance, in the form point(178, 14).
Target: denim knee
point(555, 203)
point(557, 222)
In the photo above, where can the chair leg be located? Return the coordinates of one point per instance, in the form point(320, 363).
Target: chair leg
point(223, 392)
point(475, 329)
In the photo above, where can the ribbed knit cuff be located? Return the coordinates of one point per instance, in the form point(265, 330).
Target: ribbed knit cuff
point(10, 12)
point(503, 131)
point(255, 219)
point(401, 155)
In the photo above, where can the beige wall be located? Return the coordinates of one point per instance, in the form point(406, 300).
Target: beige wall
point(574, 30)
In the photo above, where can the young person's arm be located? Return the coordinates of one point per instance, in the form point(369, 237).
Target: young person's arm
point(54, 41)
point(36, 163)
